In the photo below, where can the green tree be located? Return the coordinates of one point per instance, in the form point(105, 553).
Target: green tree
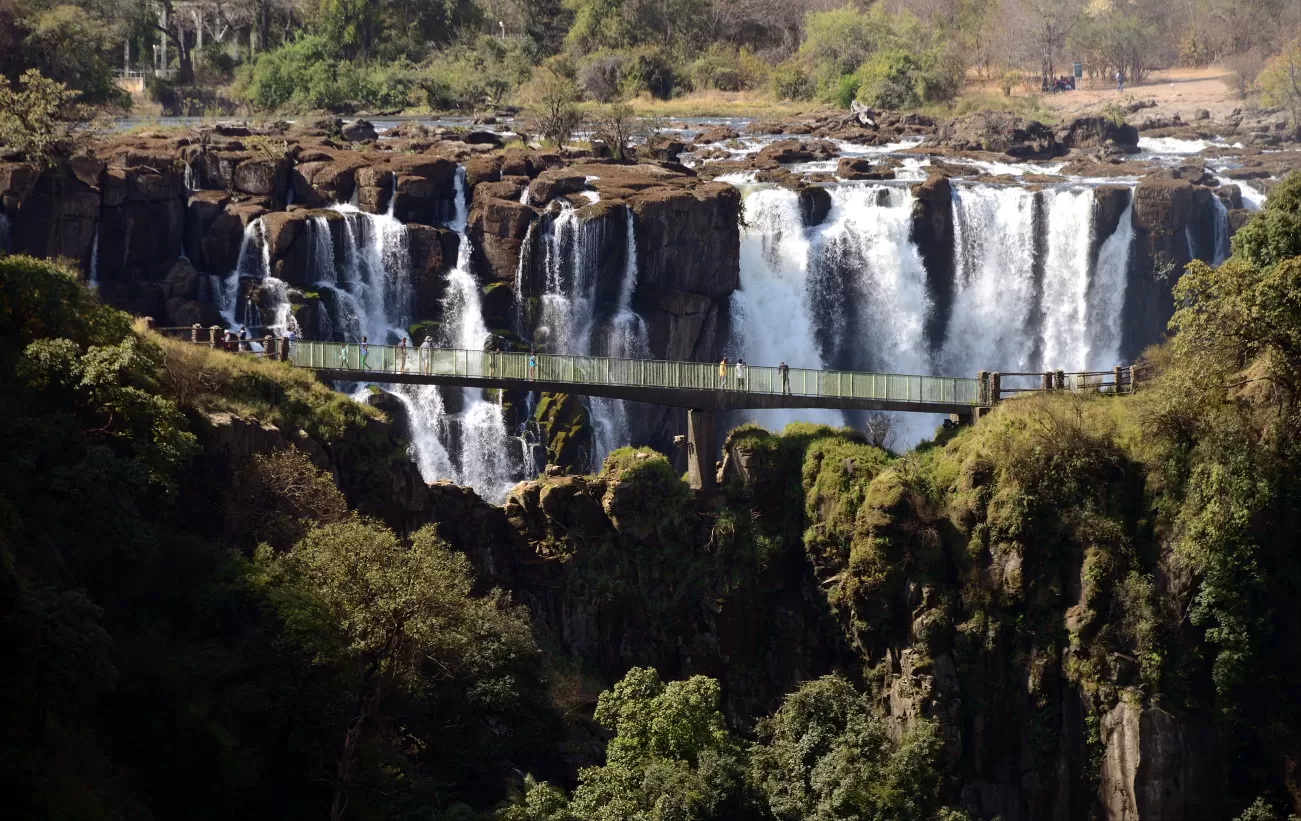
point(42, 119)
point(825, 756)
point(1280, 81)
point(388, 615)
point(553, 106)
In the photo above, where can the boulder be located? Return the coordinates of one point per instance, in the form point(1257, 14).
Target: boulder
point(860, 168)
point(933, 233)
point(1098, 132)
point(497, 228)
point(429, 262)
point(689, 240)
point(717, 134)
point(815, 204)
point(201, 212)
point(999, 132)
point(1162, 204)
point(790, 151)
point(359, 131)
point(485, 168)
point(263, 177)
point(1158, 766)
point(483, 138)
point(556, 182)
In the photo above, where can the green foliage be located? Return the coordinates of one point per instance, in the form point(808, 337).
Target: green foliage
point(671, 757)
point(826, 755)
point(1273, 234)
point(725, 68)
point(41, 119)
point(68, 45)
point(474, 72)
point(903, 79)
point(308, 74)
point(791, 82)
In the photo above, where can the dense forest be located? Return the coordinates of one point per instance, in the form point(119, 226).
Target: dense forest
point(350, 55)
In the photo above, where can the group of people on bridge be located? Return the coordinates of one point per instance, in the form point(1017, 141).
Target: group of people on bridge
point(738, 375)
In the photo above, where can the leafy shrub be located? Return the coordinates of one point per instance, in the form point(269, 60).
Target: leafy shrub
point(791, 82)
point(599, 76)
point(648, 71)
point(725, 68)
point(896, 78)
point(475, 71)
point(845, 91)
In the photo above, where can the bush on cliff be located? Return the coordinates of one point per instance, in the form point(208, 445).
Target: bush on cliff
point(152, 673)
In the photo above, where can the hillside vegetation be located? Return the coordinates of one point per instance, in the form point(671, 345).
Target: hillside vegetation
point(472, 55)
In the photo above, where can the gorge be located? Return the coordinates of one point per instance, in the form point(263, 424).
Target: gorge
point(979, 582)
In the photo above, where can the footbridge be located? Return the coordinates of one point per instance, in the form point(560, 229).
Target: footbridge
point(697, 386)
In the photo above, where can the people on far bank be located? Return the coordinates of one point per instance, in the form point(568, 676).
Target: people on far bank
point(1120, 82)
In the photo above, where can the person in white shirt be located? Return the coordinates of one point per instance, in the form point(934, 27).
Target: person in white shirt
point(740, 374)
point(426, 350)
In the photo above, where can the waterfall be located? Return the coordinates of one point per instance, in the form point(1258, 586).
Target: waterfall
point(374, 276)
point(771, 311)
point(1222, 248)
point(93, 276)
point(994, 281)
point(1026, 297)
point(864, 257)
point(625, 338)
point(248, 263)
point(482, 453)
point(1069, 229)
point(1106, 300)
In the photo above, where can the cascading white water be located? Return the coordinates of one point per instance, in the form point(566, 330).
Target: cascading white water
point(1028, 302)
point(1106, 299)
point(865, 243)
point(1064, 330)
point(375, 272)
point(771, 318)
point(626, 338)
point(994, 285)
point(1222, 248)
point(93, 276)
point(487, 456)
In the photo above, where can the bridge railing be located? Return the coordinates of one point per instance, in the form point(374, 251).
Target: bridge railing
point(647, 373)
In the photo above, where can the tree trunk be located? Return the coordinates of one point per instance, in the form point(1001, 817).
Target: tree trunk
point(367, 698)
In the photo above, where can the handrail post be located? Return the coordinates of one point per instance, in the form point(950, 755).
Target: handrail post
point(1115, 376)
point(212, 336)
point(995, 388)
point(194, 333)
point(268, 347)
point(284, 349)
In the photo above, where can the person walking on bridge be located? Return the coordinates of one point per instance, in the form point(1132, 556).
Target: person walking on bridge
point(402, 355)
point(426, 351)
point(740, 374)
point(364, 351)
point(722, 374)
point(533, 365)
point(786, 378)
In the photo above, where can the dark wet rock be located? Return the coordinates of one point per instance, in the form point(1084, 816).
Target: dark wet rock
point(860, 168)
point(359, 131)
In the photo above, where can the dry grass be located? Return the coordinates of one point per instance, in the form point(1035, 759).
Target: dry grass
point(209, 381)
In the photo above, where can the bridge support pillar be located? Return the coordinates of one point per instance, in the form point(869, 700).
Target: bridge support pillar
point(700, 450)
